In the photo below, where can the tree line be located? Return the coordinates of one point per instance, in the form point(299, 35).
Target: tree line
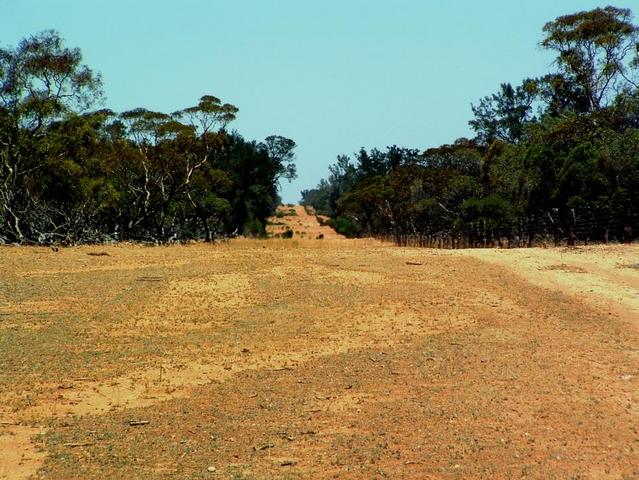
point(71, 173)
point(553, 157)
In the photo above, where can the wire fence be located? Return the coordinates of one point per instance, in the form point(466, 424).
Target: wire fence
point(570, 228)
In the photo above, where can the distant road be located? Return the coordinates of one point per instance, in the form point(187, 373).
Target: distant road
point(303, 225)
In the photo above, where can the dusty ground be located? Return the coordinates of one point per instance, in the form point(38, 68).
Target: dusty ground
point(318, 359)
point(303, 226)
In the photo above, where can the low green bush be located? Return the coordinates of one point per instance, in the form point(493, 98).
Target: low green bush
point(254, 228)
point(344, 226)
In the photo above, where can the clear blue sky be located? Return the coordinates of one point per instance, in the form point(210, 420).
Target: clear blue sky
point(334, 75)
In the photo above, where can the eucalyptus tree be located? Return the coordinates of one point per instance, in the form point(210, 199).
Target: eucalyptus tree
point(171, 150)
point(203, 181)
point(505, 115)
point(598, 50)
point(282, 151)
point(41, 82)
point(144, 130)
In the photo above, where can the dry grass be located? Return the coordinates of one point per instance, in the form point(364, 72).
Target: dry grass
point(307, 359)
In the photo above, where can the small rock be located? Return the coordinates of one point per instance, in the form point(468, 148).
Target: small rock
point(211, 469)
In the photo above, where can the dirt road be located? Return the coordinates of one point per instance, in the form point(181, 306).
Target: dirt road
point(304, 226)
point(606, 277)
point(318, 359)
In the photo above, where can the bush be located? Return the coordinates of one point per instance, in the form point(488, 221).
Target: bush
point(286, 213)
point(344, 226)
point(254, 228)
point(287, 234)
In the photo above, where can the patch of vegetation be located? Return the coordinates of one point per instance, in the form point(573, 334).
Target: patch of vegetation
point(254, 228)
point(86, 176)
point(286, 213)
point(287, 234)
point(554, 157)
point(344, 226)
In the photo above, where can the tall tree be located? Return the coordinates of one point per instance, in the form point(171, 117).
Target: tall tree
point(504, 115)
point(597, 49)
point(282, 152)
point(41, 81)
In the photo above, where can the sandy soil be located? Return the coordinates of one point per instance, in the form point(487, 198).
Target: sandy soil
point(606, 277)
point(324, 358)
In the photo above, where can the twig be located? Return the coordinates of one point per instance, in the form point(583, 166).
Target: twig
point(264, 447)
point(137, 423)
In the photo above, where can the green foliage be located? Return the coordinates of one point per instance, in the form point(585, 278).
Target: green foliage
point(254, 228)
point(595, 50)
point(344, 226)
point(554, 155)
point(318, 198)
point(492, 210)
point(504, 116)
point(72, 175)
point(286, 213)
point(282, 150)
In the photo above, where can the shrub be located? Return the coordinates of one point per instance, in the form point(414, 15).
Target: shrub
point(344, 226)
point(254, 228)
point(286, 213)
